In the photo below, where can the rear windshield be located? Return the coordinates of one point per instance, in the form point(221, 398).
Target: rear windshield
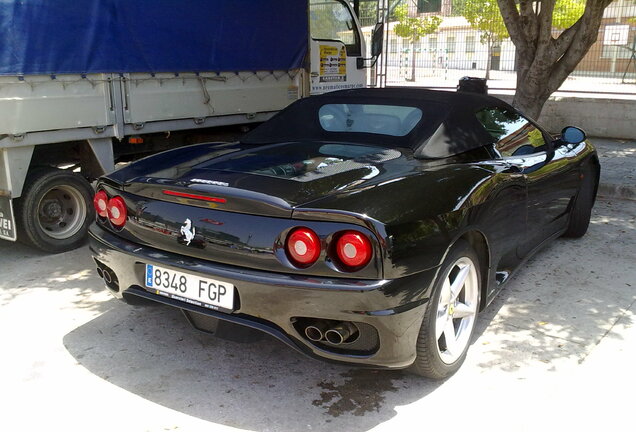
point(389, 122)
point(367, 118)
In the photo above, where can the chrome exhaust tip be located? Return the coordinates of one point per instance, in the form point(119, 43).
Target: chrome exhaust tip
point(339, 333)
point(100, 273)
point(316, 330)
point(107, 277)
point(313, 333)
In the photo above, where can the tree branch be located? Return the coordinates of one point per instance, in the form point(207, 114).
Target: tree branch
point(545, 19)
point(529, 20)
point(581, 36)
point(512, 20)
point(544, 55)
point(561, 44)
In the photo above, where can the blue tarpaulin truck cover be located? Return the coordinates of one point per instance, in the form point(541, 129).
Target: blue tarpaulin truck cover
point(118, 36)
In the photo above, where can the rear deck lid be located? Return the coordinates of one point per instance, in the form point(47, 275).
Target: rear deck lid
point(269, 180)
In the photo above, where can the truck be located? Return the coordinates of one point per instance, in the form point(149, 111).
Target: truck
point(89, 83)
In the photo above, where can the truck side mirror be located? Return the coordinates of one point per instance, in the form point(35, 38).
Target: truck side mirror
point(377, 40)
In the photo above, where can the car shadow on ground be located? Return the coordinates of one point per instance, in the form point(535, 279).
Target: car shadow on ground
point(554, 311)
point(154, 353)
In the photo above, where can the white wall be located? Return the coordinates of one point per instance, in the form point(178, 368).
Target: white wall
point(604, 118)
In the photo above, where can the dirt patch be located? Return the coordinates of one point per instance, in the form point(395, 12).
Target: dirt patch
point(362, 392)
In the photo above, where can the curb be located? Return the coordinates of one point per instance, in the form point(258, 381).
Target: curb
point(608, 190)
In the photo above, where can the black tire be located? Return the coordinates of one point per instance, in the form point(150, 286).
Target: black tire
point(54, 210)
point(429, 362)
point(582, 208)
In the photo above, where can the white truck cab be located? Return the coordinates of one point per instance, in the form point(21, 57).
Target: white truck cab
point(336, 45)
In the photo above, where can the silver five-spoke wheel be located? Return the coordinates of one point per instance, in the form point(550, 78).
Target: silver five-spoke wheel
point(456, 310)
point(450, 313)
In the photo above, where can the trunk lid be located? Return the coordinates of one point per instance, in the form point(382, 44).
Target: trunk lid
point(266, 180)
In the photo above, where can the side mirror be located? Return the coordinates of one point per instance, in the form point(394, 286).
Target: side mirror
point(572, 135)
point(377, 40)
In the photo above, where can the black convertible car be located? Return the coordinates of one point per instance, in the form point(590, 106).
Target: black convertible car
point(364, 226)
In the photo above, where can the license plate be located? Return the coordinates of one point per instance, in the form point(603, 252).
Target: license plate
point(7, 222)
point(189, 288)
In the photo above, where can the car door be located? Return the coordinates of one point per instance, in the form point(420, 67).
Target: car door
point(551, 183)
point(551, 190)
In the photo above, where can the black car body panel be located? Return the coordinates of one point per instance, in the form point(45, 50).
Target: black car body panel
point(413, 196)
point(270, 301)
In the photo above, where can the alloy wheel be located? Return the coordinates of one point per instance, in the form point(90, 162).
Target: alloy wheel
point(457, 310)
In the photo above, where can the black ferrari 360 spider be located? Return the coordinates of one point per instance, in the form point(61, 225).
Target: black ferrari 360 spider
point(364, 226)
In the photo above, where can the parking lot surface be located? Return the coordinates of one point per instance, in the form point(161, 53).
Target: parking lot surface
point(555, 351)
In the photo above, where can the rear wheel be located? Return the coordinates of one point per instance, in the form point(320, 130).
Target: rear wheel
point(450, 317)
point(582, 208)
point(54, 210)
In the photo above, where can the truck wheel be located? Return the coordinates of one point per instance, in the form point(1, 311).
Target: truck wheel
point(54, 210)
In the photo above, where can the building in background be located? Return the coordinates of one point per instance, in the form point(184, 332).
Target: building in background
point(456, 49)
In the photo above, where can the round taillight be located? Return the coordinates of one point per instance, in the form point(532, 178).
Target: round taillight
point(100, 201)
point(117, 211)
point(303, 247)
point(353, 249)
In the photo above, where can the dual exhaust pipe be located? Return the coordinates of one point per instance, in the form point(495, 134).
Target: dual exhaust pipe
point(334, 334)
point(108, 276)
point(105, 274)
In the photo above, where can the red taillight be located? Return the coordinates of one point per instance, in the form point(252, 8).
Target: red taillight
point(117, 211)
point(353, 249)
point(303, 247)
point(100, 201)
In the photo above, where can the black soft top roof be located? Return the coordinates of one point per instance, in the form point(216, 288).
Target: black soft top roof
point(448, 124)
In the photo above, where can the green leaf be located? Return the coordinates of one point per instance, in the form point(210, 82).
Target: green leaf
point(414, 28)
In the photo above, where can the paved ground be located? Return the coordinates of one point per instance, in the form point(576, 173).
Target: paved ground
point(555, 351)
point(618, 167)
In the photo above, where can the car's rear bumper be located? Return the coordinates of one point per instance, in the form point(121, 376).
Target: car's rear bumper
point(269, 301)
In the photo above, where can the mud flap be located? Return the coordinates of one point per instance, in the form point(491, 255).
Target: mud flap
point(7, 220)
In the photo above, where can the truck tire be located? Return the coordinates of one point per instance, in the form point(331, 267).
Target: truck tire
point(54, 210)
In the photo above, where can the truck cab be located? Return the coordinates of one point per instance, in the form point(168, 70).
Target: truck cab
point(336, 46)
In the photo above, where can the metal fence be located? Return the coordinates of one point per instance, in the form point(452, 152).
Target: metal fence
point(472, 40)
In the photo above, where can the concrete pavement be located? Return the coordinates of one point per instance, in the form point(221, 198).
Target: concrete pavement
point(553, 352)
point(618, 167)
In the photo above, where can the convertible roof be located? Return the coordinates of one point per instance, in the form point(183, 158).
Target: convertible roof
point(448, 124)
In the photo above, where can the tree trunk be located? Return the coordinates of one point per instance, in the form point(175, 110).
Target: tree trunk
point(531, 92)
point(544, 62)
point(528, 104)
point(489, 59)
point(413, 61)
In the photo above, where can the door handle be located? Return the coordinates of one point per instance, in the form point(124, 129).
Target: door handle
point(513, 169)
